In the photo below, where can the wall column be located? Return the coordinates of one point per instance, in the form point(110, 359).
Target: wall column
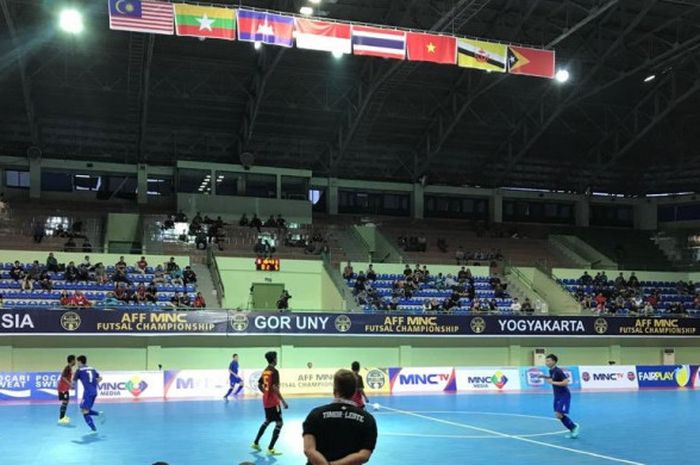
point(496, 206)
point(582, 212)
point(142, 184)
point(645, 216)
point(6, 358)
point(418, 201)
point(405, 356)
point(279, 186)
point(34, 178)
point(332, 196)
point(153, 358)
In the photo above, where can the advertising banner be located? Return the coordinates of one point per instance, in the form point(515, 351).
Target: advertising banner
point(223, 323)
point(666, 376)
point(422, 379)
point(530, 379)
point(376, 381)
point(196, 383)
point(609, 377)
point(129, 385)
point(30, 386)
point(488, 379)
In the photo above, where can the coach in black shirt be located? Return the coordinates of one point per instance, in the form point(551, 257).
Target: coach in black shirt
point(340, 433)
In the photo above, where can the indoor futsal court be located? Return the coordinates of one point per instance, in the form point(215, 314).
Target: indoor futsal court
point(641, 428)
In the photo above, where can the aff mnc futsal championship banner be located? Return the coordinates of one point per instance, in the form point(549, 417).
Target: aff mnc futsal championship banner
point(93, 321)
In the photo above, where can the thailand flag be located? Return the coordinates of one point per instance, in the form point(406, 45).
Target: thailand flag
point(378, 42)
point(266, 28)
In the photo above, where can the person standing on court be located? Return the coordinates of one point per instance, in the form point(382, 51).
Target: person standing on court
point(340, 433)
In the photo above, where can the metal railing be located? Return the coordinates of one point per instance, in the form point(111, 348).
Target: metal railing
point(215, 275)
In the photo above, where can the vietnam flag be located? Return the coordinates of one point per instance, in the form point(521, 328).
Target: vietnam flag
point(205, 21)
point(432, 48)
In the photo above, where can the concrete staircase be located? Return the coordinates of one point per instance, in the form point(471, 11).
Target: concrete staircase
point(581, 253)
point(205, 285)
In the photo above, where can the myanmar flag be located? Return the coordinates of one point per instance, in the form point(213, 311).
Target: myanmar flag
point(205, 21)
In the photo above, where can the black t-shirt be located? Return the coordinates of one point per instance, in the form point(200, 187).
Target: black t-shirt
point(341, 429)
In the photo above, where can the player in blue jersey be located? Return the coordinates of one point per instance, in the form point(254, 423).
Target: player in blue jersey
point(233, 377)
point(89, 378)
point(562, 396)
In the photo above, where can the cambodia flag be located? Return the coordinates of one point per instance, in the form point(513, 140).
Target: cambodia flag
point(266, 28)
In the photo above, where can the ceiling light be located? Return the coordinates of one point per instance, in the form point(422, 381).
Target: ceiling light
point(315, 2)
point(71, 21)
point(257, 45)
point(306, 10)
point(650, 78)
point(562, 75)
point(337, 54)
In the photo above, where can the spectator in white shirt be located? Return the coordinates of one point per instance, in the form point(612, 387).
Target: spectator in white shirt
point(516, 306)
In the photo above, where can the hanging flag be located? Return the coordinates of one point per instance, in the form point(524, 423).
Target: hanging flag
point(482, 55)
point(531, 61)
point(323, 35)
point(431, 47)
point(205, 21)
point(141, 16)
point(378, 42)
point(267, 28)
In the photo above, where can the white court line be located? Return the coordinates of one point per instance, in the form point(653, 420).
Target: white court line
point(462, 436)
point(517, 438)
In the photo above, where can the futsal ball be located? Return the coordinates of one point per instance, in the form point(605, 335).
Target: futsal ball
point(375, 406)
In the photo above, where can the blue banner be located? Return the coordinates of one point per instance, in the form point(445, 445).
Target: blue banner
point(29, 386)
point(666, 376)
point(530, 378)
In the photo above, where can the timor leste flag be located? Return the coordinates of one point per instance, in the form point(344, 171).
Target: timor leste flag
point(531, 61)
point(205, 21)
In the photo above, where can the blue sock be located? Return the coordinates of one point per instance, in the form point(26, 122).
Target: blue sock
point(93, 412)
point(566, 421)
point(88, 420)
point(229, 392)
point(240, 388)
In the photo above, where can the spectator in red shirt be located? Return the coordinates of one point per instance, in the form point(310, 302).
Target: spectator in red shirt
point(600, 301)
point(199, 301)
point(140, 295)
point(65, 299)
point(79, 300)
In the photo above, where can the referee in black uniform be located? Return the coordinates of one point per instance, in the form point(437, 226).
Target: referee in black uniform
point(340, 432)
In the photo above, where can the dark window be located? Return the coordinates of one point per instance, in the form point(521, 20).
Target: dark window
point(538, 211)
point(194, 181)
point(441, 206)
point(227, 182)
point(295, 188)
point(18, 179)
point(612, 215)
point(260, 185)
point(378, 203)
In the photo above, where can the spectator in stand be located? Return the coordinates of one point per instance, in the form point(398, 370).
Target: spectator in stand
point(65, 299)
point(633, 281)
point(176, 277)
point(271, 222)
point(648, 309)
point(199, 301)
point(348, 271)
point(159, 275)
point(175, 300)
point(140, 294)
point(141, 265)
point(51, 263)
point(600, 302)
point(620, 282)
point(101, 274)
point(169, 223)
point(17, 271)
point(493, 305)
point(39, 232)
point(120, 292)
point(407, 271)
point(185, 300)
point(121, 264)
point(585, 279)
point(83, 272)
point(109, 300)
point(281, 222)
point(71, 273)
point(459, 256)
point(171, 265)
point(181, 217)
point(243, 221)
point(45, 281)
point(120, 276)
point(527, 306)
point(371, 275)
point(35, 270)
point(87, 246)
point(189, 276)
point(79, 300)
point(256, 223)
point(476, 305)
point(283, 301)
point(464, 275)
point(425, 271)
point(27, 283)
point(516, 307)
point(129, 293)
point(152, 293)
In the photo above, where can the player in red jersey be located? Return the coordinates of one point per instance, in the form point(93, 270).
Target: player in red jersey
point(360, 398)
point(269, 385)
point(65, 382)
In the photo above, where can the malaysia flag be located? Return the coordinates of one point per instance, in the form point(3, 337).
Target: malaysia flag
point(141, 16)
point(266, 28)
point(378, 42)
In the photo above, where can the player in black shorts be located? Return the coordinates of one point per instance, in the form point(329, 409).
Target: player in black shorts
point(65, 382)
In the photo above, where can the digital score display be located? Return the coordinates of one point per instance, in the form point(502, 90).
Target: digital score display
point(267, 264)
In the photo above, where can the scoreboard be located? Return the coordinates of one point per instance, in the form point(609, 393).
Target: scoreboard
point(267, 264)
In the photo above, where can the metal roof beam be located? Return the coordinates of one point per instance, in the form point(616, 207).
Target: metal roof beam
point(144, 92)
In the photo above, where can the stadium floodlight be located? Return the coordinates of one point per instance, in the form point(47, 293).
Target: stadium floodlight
point(71, 21)
point(650, 78)
point(337, 54)
point(306, 10)
point(315, 2)
point(562, 75)
point(257, 44)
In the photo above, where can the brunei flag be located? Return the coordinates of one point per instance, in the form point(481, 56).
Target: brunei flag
point(478, 54)
point(205, 21)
